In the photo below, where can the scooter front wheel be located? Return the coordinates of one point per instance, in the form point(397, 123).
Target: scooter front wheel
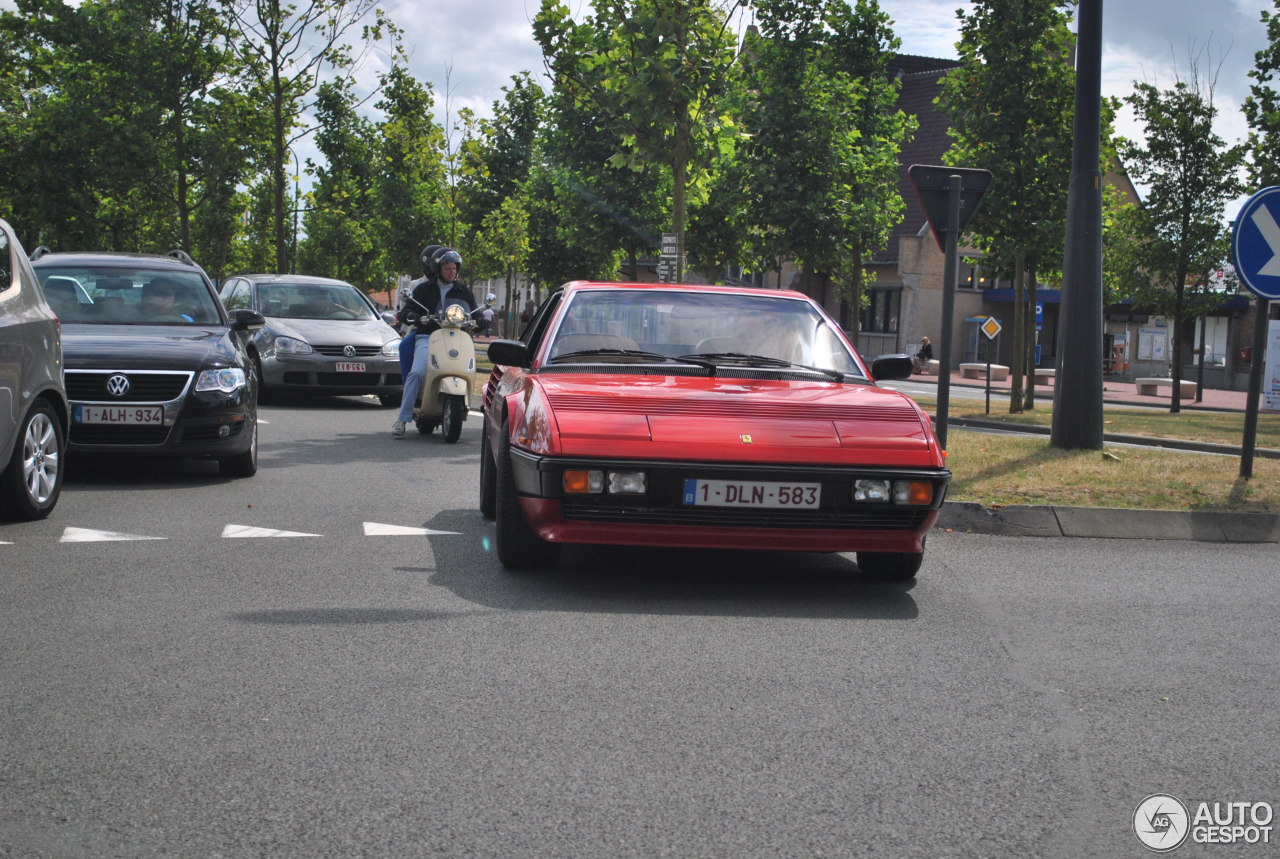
point(424, 426)
point(455, 412)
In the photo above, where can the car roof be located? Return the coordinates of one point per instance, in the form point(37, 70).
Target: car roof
point(295, 278)
point(116, 258)
point(585, 285)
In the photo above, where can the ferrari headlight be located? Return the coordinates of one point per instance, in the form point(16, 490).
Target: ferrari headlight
point(627, 483)
point(228, 380)
point(292, 346)
point(917, 493)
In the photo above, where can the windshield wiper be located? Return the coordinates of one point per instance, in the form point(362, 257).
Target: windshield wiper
point(764, 361)
point(634, 353)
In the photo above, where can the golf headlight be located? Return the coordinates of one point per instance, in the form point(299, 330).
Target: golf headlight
point(391, 349)
point(455, 315)
point(291, 346)
point(228, 380)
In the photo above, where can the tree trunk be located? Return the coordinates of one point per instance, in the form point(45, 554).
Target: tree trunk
point(1018, 359)
point(1029, 361)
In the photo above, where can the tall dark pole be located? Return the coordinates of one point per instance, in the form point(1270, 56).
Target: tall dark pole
point(1260, 325)
point(1077, 396)
point(955, 184)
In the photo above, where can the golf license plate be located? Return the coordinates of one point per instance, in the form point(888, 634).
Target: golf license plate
point(751, 493)
point(349, 367)
point(124, 415)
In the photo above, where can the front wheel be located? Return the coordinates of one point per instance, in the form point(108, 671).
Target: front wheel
point(891, 565)
point(32, 481)
point(390, 401)
point(519, 548)
point(242, 464)
point(451, 418)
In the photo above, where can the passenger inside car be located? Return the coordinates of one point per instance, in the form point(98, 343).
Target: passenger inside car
point(60, 292)
point(159, 302)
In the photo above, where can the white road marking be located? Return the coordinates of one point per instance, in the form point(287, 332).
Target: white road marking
point(377, 529)
point(250, 531)
point(88, 535)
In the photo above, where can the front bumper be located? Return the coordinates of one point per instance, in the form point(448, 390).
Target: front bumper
point(659, 518)
point(319, 374)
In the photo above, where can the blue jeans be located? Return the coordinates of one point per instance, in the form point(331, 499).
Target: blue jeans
point(413, 381)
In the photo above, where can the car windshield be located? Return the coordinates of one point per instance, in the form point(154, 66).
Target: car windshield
point(312, 301)
point(729, 330)
point(123, 295)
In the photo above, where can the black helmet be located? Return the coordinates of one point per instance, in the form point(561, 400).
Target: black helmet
point(426, 256)
point(445, 255)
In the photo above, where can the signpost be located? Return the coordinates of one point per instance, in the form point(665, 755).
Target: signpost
point(667, 260)
point(949, 196)
point(1255, 247)
point(991, 328)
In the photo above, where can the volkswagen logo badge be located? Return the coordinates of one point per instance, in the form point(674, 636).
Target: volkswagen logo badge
point(117, 385)
point(349, 351)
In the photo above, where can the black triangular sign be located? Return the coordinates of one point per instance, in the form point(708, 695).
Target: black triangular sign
point(930, 184)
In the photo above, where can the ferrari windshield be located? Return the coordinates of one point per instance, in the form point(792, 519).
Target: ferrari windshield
point(724, 328)
point(128, 295)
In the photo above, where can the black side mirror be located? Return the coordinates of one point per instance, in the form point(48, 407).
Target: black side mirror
point(509, 353)
point(247, 320)
point(889, 367)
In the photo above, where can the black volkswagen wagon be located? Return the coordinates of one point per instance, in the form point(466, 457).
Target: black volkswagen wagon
point(154, 363)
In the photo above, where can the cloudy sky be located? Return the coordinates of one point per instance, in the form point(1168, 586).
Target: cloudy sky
point(477, 45)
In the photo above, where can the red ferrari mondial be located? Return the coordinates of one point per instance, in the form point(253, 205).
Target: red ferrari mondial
point(702, 416)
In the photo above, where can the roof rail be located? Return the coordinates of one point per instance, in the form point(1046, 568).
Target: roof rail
point(39, 251)
point(183, 256)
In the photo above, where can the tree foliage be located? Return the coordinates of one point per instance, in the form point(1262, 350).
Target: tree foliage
point(1262, 107)
point(1177, 238)
point(1011, 104)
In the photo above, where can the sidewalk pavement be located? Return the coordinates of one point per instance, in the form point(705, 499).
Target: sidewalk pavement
point(1106, 522)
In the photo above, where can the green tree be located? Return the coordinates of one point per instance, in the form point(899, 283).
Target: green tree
point(656, 72)
point(287, 48)
point(823, 135)
point(1178, 238)
point(343, 220)
point(1011, 104)
point(1262, 107)
point(410, 181)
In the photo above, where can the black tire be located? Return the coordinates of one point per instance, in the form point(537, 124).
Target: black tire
point(488, 478)
point(451, 418)
point(390, 401)
point(891, 565)
point(518, 547)
point(264, 396)
point(424, 426)
point(242, 464)
point(32, 480)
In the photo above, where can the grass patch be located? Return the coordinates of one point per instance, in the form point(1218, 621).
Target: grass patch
point(997, 470)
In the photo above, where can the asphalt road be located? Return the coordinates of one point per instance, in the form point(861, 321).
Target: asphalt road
point(353, 687)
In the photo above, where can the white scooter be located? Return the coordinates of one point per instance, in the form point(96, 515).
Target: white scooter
point(445, 399)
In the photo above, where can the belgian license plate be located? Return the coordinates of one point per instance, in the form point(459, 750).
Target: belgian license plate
point(349, 367)
point(751, 493)
point(124, 415)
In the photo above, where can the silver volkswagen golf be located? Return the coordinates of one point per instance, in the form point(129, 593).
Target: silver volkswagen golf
point(33, 401)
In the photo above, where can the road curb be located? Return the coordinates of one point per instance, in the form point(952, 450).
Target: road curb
point(1210, 526)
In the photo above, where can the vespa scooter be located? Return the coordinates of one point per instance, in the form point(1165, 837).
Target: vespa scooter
point(451, 369)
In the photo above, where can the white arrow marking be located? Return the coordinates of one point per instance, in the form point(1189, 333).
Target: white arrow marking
point(1271, 232)
point(88, 535)
point(377, 529)
point(250, 531)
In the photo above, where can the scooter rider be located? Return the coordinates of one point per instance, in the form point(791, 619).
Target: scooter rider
point(429, 297)
point(428, 274)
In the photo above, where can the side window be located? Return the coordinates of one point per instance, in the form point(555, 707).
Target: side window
point(240, 298)
point(533, 334)
point(6, 264)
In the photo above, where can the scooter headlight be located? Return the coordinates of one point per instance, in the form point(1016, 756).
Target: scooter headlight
point(455, 315)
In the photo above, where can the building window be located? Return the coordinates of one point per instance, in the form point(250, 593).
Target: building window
point(880, 316)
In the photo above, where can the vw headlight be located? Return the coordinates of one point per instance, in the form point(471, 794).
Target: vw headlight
point(291, 346)
point(391, 349)
point(228, 380)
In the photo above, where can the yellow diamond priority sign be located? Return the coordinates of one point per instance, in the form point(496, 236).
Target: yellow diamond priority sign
point(991, 327)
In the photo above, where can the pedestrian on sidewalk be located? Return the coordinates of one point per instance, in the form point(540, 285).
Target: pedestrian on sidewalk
point(923, 355)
